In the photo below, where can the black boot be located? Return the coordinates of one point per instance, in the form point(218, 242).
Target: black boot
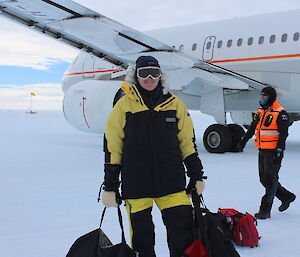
point(286, 203)
point(262, 215)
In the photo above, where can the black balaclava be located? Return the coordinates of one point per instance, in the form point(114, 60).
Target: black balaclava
point(270, 92)
point(150, 97)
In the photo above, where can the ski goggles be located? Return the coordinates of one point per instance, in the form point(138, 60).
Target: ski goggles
point(147, 72)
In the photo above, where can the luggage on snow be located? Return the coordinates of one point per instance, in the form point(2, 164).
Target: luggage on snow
point(97, 244)
point(210, 238)
point(243, 227)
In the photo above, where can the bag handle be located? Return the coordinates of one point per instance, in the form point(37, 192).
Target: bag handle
point(200, 223)
point(120, 222)
point(198, 200)
point(200, 220)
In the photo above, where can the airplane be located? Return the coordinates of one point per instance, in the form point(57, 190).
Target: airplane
point(217, 67)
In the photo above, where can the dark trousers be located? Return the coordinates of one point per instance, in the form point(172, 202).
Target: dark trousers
point(179, 224)
point(268, 176)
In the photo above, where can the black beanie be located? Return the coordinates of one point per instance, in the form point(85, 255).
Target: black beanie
point(271, 92)
point(144, 61)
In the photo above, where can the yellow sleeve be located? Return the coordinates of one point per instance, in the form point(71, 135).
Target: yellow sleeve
point(114, 134)
point(185, 134)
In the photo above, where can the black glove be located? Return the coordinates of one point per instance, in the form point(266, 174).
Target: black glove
point(111, 180)
point(241, 144)
point(194, 171)
point(278, 155)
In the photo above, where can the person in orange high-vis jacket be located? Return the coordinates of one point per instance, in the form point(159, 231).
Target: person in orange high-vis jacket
point(270, 126)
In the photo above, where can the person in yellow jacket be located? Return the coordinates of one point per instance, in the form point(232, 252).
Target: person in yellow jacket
point(149, 137)
point(270, 126)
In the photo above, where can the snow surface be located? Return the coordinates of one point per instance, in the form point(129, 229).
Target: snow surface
point(51, 173)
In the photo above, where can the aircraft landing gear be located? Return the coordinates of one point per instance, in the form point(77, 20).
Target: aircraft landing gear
point(219, 138)
point(236, 133)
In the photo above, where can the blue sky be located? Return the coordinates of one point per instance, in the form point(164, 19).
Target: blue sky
point(12, 75)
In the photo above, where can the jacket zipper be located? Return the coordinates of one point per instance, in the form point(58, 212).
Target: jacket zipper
point(152, 149)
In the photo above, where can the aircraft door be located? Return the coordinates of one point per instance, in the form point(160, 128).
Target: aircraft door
point(88, 66)
point(208, 48)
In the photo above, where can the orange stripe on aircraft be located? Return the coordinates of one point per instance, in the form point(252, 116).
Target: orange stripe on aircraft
point(218, 61)
point(256, 58)
point(89, 72)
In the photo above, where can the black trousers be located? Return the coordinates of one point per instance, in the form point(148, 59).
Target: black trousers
point(179, 224)
point(268, 175)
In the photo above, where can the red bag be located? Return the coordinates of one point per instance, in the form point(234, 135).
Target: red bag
point(196, 249)
point(244, 232)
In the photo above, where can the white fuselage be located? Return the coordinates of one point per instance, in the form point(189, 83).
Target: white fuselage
point(274, 63)
point(273, 58)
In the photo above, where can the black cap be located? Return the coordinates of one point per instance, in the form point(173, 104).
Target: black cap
point(271, 92)
point(144, 61)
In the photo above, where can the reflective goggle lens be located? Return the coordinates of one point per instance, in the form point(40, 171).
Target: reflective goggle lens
point(146, 72)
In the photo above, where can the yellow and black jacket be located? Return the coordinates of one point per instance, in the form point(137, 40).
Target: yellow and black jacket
point(150, 144)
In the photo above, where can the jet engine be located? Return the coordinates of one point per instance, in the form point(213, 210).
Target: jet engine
point(88, 103)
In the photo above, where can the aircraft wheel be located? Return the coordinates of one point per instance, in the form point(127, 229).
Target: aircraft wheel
point(217, 138)
point(236, 133)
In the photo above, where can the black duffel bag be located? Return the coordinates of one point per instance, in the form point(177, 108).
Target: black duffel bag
point(213, 235)
point(97, 244)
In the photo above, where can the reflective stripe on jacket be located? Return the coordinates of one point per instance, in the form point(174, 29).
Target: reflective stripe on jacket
point(266, 133)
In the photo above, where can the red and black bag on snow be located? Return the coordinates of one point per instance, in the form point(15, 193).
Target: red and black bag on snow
point(211, 240)
point(244, 231)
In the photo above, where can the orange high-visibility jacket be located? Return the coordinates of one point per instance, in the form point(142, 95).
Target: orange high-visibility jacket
point(266, 132)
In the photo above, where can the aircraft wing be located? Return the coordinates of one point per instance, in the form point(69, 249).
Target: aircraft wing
point(81, 27)
point(90, 31)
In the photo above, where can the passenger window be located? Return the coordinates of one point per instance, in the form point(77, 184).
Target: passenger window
point(261, 40)
point(181, 48)
point(296, 36)
point(284, 38)
point(272, 39)
point(240, 42)
point(219, 44)
point(229, 43)
point(250, 41)
point(194, 47)
point(208, 45)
